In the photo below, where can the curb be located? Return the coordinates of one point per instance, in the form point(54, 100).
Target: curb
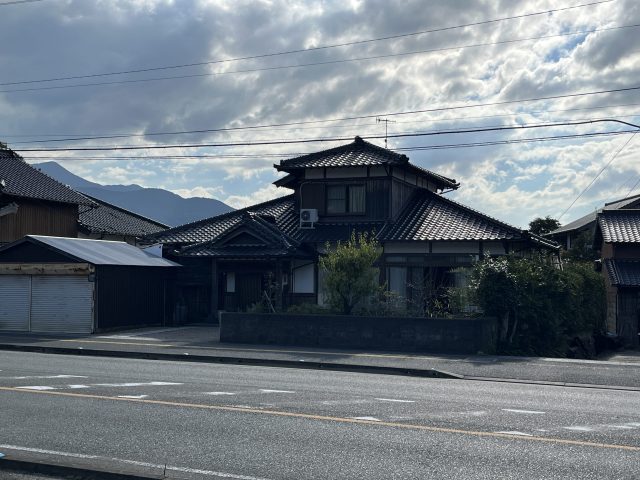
point(264, 362)
point(67, 471)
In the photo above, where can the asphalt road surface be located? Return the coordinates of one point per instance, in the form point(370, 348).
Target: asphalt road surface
point(239, 422)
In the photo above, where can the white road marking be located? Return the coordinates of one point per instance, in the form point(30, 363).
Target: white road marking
point(514, 432)
point(219, 393)
point(473, 413)
point(266, 390)
point(395, 400)
point(75, 387)
point(579, 428)
point(39, 377)
point(134, 384)
point(37, 387)
point(135, 462)
point(372, 419)
point(133, 396)
point(530, 412)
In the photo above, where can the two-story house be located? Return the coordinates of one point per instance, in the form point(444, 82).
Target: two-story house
point(232, 260)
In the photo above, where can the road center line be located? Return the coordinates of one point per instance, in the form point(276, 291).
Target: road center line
point(309, 416)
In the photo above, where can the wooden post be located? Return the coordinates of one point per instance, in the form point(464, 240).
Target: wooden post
point(214, 290)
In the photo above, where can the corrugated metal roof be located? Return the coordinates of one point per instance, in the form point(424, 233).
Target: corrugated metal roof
point(111, 219)
point(623, 273)
point(620, 226)
point(102, 252)
point(23, 180)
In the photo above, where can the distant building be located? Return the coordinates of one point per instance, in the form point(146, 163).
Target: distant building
point(33, 203)
point(618, 238)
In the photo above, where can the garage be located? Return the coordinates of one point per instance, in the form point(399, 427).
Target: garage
point(78, 286)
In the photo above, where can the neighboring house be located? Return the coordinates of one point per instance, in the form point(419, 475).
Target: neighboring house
point(72, 285)
point(104, 221)
point(618, 237)
point(567, 234)
point(233, 260)
point(34, 203)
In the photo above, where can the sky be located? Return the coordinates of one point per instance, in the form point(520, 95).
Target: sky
point(144, 72)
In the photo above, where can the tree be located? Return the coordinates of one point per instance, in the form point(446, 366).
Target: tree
point(540, 226)
point(350, 275)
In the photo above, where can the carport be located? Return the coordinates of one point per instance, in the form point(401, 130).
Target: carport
point(71, 285)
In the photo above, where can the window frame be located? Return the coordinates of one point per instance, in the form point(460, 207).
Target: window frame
point(347, 204)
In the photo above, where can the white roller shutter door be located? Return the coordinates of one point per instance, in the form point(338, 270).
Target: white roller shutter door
point(61, 304)
point(14, 302)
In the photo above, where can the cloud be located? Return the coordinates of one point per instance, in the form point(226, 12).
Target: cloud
point(512, 182)
point(261, 195)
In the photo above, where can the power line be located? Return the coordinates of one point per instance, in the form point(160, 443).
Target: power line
point(305, 141)
point(303, 50)
point(310, 64)
point(276, 127)
point(17, 2)
point(598, 174)
point(428, 110)
point(571, 122)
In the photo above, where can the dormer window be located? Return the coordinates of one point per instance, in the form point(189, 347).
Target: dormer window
point(342, 199)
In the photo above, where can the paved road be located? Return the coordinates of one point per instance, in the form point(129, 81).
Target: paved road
point(219, 421)
point(620, 371)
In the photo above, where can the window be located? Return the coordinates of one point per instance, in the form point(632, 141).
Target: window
point(345, 199)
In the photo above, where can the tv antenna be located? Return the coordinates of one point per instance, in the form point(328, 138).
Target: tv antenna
point(386, 127)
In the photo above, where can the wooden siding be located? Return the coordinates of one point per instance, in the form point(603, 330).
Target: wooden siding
point(400, 193)
point(39, 218)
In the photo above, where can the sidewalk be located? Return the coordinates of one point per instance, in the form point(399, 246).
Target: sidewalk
point(201, 344)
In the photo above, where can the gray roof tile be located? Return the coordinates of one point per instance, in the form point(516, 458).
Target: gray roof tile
point(106, 218)
point(623, 273)
point(23, 180)
point(359, 153)
point(429, 216)
point(620, 226)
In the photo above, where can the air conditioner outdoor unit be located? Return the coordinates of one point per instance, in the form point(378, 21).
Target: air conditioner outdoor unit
point(308, 216)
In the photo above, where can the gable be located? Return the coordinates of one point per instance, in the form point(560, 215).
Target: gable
point(244, 238)
point(27, 252)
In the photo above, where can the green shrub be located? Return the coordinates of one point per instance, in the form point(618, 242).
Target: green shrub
point(540, 308)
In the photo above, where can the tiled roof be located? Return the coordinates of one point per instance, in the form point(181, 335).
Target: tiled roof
point(359, 153)
point(623, 273)
point(281, 209)
point(620, 226)
point(110, 219)
point(264, 239)
point(23, 180)
point(429, 216)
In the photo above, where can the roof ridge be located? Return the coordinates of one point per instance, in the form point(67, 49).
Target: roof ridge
point(224, 215)
point(473, 210)
point(142, 217)
point(358, 141)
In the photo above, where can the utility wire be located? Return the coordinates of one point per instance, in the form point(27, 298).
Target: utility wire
point(87, 136)
point(310, 64)
point(512, 126)
point(410, 112)
point(290, 142)
point(17, 2)
point(303, 50)
point(599, 173)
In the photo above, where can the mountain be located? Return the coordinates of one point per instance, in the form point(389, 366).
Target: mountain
point(154, 203)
